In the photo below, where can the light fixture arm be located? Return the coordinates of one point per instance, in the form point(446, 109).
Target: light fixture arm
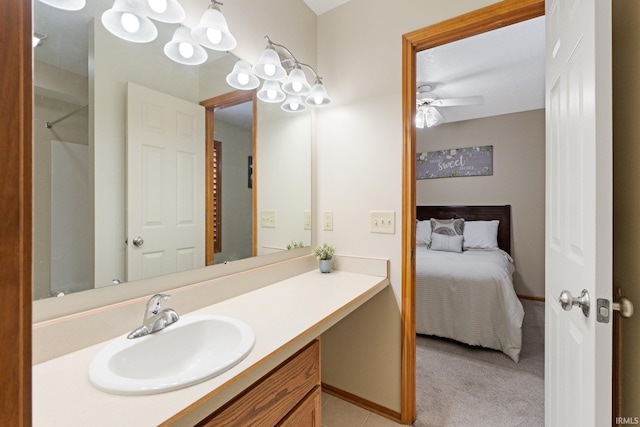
point(271, 43)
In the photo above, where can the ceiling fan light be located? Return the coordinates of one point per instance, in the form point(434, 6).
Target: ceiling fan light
point(183, 49)
point(271, 92)
point(296, 83)
point(125, 22)
point(293, 104)
point(430, 117)
point(213, 32)
point(169, 11)
point(269, 66)
point(241, 77)
point(420, 119)
point(318, 95)
point(70, 5)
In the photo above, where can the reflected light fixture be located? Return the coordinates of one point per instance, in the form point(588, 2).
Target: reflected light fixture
point(242, 77)
point(183, 49)
point(271, 92)
point(169, 11)
point(274, 63)
point(293, 104)
point(129, 24)
point(65, 4)
point(212, 31)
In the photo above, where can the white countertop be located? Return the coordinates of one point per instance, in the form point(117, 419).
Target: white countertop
point(285, 316)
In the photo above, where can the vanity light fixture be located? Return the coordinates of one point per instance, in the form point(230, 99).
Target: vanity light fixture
point(183, 49)
point(212, 31)
point(169, 11)
point(274, 63)
point(293, 104)
point(65, 4)
point(271, 92)
point(128, 23)
point(242, 76)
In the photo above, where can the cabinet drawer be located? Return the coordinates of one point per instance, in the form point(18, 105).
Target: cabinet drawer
point(307, 413)
point(271, 398)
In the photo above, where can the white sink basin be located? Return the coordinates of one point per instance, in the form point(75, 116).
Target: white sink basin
point(192, 350)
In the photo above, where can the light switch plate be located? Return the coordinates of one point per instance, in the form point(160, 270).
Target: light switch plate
point(268, 219)
point(307, 220)
point(383, 222)
point(327, 220)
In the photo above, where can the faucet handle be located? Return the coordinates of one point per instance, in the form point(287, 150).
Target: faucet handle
point(154, 303)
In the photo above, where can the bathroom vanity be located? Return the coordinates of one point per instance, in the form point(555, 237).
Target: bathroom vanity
point(277, 383)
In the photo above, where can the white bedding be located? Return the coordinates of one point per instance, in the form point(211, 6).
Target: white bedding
point(469, 297)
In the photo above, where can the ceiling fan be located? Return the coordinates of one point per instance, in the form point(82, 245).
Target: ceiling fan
point(427, 113)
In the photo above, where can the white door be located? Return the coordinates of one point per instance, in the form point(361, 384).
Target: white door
point(165, 184)
point(578, 210)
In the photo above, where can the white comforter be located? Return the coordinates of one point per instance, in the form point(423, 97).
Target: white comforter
point(469, 297)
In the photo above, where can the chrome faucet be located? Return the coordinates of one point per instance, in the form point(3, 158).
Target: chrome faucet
point(155, 319)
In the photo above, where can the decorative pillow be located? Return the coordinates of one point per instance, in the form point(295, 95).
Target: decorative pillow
point(481, 234)
point(448, 227)
point(442, 242)
point(423, 232)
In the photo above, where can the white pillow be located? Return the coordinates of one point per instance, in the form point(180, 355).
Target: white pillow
point(442, 242)
point(481, 234)
point(423, 232)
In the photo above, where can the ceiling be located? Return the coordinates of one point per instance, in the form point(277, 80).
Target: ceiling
point(504, 66)
point(322, 6)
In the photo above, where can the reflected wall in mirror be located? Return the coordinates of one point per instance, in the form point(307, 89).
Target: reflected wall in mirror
point(81, 232)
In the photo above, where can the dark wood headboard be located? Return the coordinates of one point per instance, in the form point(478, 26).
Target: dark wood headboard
point(474, 213)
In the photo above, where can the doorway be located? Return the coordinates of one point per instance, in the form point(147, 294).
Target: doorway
point(476, 22)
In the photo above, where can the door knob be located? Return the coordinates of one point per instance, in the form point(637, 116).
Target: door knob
point(567, 301)
point(625, 307)
point(137, 241)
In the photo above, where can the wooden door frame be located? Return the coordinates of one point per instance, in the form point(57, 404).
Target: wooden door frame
point(489, 18)
point(211, 105)
point(16, 151)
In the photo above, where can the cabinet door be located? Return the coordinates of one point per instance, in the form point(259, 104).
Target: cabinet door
point(307, 413)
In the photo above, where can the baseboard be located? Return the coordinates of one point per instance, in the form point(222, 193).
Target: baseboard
point(532, 298)
point(363, 403)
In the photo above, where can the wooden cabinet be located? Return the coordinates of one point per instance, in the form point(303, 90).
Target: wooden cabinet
point(287, 396)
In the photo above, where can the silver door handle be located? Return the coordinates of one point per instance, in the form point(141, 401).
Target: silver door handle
point(137, 241)
point(625, 307)
point(567, 301)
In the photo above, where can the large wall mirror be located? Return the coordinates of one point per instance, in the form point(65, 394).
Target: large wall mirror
point(86, 208)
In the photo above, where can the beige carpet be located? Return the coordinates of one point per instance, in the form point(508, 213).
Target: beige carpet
point(459, 385)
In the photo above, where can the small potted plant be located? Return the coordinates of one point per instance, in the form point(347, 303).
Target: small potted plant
point(324, 254)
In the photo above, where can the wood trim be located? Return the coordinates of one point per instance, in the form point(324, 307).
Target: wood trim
point(495, 16)
point(254, 188)
point(209, 226)
point(363, 403)
point(16, 150)
point(222, 101)
point(531, 298)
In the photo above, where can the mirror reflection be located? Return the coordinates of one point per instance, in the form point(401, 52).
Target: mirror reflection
point(97, 205)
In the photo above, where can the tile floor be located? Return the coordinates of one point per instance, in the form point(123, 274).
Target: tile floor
point(338, 413)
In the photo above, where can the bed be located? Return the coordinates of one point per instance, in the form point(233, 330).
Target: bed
point(468, 296)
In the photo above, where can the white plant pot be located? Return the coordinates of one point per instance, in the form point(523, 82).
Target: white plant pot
point(326, 265)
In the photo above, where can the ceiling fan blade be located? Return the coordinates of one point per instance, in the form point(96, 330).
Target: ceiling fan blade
point(455, 102)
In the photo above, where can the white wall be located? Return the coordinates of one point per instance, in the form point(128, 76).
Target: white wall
point(518, 180)
point(360, 147)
